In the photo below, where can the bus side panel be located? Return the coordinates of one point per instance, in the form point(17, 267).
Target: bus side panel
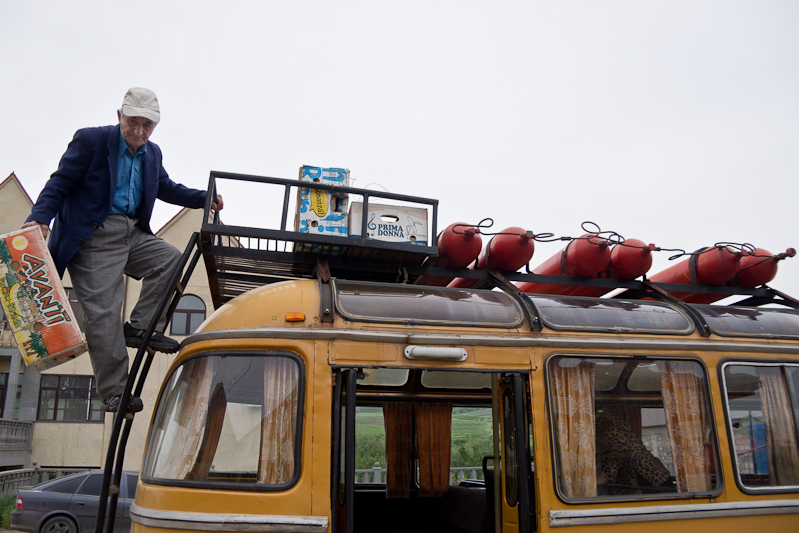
point(730, 511)
point(318, 416)
point(300, 500)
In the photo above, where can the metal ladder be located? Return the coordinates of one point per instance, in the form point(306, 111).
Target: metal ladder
point(123, 422)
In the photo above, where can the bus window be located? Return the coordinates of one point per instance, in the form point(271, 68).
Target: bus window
point(649, 434)
point(370, 445)
point(470, 440)
point(229, 421)
point(762, 412)
point(393, 377)
point(731, 321)
point(575, 313)
point(414, 304)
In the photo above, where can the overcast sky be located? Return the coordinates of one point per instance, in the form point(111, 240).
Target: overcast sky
point(673, 122)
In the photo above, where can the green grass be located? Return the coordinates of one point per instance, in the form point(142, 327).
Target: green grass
point(370, 422)
point(7, 504)
point(467, 424)
point(471, 436)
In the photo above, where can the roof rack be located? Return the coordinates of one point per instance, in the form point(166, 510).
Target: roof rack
point(240, 258)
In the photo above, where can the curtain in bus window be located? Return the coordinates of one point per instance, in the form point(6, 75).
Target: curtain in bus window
point(781, 443)
point(688, 424)
point(434, 445)
point(193, 408)
point(279, 421)
point(211, 435)
point(573, 410)
point(398, 419)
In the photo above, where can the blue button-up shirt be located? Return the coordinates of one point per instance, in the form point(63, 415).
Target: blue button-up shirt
point(129, 180)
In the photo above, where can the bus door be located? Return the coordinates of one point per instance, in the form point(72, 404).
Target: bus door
point(342, 490)
point(515, 455)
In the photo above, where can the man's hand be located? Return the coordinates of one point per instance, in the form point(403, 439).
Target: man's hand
point(218, 204)
point(44, 227)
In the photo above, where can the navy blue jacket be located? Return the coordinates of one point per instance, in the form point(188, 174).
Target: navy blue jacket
point(79, 194)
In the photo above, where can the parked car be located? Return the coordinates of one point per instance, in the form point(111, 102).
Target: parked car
point(69, 504)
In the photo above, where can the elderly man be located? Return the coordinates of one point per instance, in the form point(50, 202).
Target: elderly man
point(102, 197)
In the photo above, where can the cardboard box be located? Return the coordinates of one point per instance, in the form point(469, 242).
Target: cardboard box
point(390, 223)
point(321, 212)
point(35, 303)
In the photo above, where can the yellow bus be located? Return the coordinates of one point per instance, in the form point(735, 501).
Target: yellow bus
point(597, 414)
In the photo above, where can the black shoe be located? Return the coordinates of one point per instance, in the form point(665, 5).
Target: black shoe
point(158, 341)
point(112, 404)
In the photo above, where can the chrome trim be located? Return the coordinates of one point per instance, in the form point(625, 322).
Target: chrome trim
point(248, 523)
point(618, 515)
point(559, 342)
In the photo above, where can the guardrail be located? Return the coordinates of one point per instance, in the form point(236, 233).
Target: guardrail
point(12, 480)
point(377, 474)
point(15, 435)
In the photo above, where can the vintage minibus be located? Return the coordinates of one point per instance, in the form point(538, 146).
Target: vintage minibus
point(596, 414)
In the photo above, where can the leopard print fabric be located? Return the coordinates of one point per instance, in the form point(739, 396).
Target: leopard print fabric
point(623, 463)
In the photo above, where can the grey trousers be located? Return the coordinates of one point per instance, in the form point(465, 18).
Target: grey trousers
point(116, 249)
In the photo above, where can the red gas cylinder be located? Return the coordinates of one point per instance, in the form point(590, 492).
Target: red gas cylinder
point(458, 246)
point(714, 265)
point(711, 266)
point(507, 251)
point(757, 267)
point(587, 256)
point(628, 260)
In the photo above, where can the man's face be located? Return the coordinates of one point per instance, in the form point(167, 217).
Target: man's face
point(135, 130)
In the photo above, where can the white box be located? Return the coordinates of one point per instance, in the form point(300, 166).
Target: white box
point(390, 223)
point(35, 303)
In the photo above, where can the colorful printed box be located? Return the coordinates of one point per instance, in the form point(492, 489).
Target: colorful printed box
point(35, 303)
point(321, 212)
point(390, 223)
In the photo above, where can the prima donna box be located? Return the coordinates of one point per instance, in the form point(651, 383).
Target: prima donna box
point(390, 223)
point(35, 303)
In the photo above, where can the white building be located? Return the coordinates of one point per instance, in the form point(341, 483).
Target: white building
point(54, 418)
